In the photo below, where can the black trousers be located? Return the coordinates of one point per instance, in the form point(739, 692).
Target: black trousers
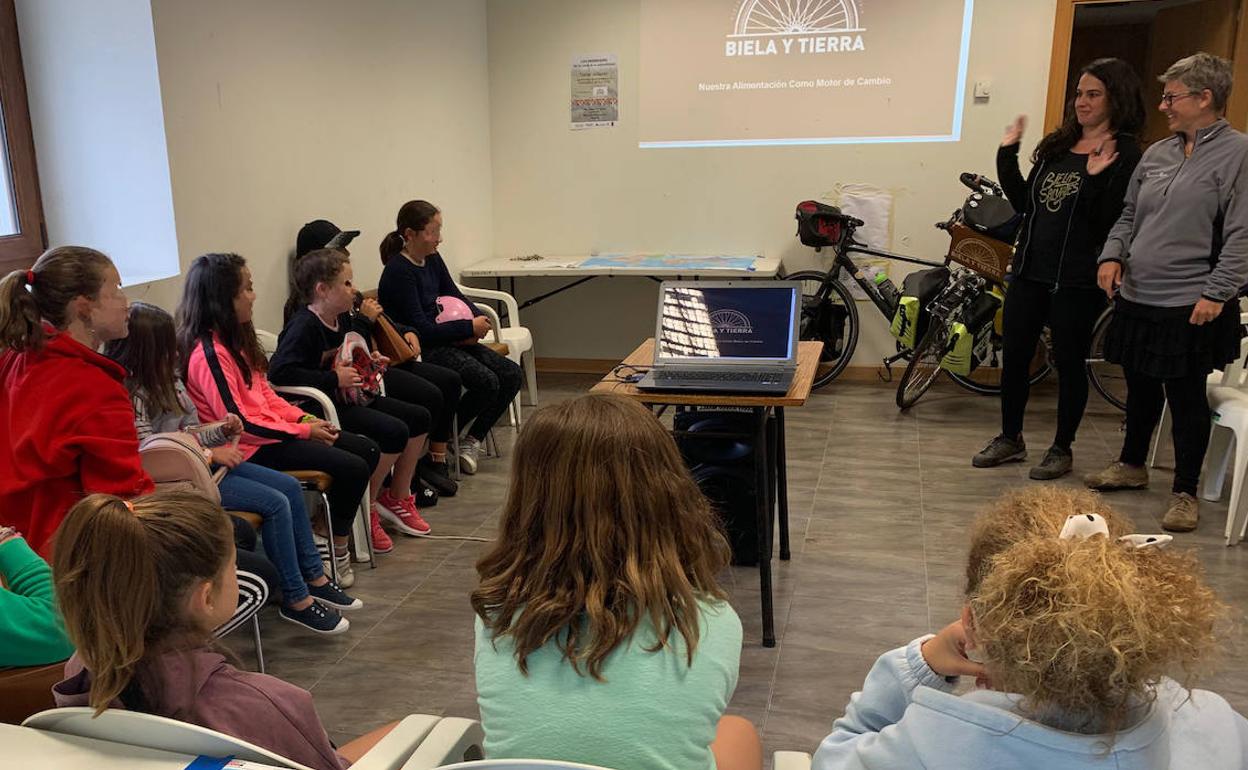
point(1070, 314)
point(1190, 426)
point(434, 387)
point(491, 383)
point(391, 422)
point(350, 461)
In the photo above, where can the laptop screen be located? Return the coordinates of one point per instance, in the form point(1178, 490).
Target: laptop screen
point(749, 323)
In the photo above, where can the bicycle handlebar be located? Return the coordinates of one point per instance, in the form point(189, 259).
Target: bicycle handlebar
point(981, 184)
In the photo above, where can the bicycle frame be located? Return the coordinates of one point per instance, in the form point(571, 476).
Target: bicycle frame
point(841, 259)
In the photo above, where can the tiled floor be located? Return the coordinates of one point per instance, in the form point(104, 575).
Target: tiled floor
point(880, 503)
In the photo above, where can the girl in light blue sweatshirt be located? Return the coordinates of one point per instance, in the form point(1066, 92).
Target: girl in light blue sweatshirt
point(1071, 632)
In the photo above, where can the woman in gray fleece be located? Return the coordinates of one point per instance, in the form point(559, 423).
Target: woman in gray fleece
point(1177, 258)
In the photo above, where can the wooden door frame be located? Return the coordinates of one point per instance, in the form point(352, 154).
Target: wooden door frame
point(1059, 65)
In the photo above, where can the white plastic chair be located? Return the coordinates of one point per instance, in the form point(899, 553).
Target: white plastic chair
point(133, 728)
point(790, 760)
point(1228, 405)
point(518, 338)
point(268, 343)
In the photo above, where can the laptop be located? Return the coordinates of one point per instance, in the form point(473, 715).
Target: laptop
point(725, 336)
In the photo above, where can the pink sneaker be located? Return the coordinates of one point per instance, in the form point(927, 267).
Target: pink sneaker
point(402, 514)
point(381, 541)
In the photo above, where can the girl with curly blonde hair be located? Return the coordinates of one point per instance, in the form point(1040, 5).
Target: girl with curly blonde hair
point(1083, 640)
point(602, 634)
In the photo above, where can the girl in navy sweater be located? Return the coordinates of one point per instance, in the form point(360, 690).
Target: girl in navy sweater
point(414, 277)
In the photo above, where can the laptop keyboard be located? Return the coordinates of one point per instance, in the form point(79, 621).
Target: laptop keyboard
point(763, 378)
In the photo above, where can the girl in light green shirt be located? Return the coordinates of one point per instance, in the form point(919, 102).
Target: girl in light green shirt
point(602, 636)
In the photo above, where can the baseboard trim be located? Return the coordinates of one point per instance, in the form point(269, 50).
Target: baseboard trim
point(864, 375)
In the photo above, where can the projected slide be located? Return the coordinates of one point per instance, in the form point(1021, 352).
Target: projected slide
point(776, 72)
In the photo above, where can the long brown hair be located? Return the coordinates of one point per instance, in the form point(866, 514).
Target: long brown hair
point(602, 527)
point(207, 306)
point(122, 577)
point(1127, 113)
point(60, 275)
point(149, 354)
point(1084, 629)
point(414, 215)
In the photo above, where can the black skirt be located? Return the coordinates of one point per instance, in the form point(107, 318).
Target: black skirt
point(1160, 342)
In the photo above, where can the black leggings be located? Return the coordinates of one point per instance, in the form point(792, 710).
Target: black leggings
point(436, 388)
point(350, 461)
point(1190, 423)
point(491, 382)
point(390, 422)
point(1070, 313)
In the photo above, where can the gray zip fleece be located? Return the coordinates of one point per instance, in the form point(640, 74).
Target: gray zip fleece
point(1183, 232)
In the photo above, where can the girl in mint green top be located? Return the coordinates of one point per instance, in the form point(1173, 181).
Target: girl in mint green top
point(602, 636)
point(31, 631)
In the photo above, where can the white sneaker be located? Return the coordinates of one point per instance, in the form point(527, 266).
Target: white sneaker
point(469, 453)
point(346, 575)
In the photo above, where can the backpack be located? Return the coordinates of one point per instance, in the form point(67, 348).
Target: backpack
point(819, 224)
point(175, 461)
point(354, 351)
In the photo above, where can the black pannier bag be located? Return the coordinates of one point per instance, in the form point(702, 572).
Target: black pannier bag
point(991, 215)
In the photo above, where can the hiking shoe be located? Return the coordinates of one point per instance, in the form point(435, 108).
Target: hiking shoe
point(426, 496)
point(331, 595)
point(469, 452)
point(1118, 475)
point(1000, 450)
point(381, 541)
point(402, 514)
point(1182, 513)
point(1056, 463)
point(437, 475)
point(316, 618)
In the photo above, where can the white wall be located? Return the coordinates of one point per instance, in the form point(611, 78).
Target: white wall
point(95, 111)
point(284, 111)
point(563, 192)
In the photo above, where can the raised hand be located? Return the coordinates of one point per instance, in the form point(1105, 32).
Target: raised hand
point(1014, 131)
point(1102, 157)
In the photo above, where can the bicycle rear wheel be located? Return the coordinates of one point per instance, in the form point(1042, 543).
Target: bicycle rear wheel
point(924, 365)
point(830, 316)
point(1107, 378)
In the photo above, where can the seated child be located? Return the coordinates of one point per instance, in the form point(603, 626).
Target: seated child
point(1072, 628)
point(161, 405)
point(141, 586)
point(602, 635)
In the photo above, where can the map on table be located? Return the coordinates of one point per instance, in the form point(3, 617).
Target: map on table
point(677, 262)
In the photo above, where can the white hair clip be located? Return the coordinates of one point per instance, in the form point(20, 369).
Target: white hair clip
point(1085, 525)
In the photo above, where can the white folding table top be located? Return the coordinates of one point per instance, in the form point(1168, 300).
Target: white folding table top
point(655, 265)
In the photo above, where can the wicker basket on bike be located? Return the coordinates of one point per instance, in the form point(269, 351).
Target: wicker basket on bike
point(981, 237)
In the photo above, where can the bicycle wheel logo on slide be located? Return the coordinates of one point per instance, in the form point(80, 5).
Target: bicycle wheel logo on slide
point(771, 27)
point(731, 322)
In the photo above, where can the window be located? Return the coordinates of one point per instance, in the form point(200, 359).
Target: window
point(22, 234)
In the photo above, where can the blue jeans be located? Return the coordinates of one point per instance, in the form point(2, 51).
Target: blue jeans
point(286, 532)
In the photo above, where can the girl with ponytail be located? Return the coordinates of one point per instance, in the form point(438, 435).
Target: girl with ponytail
point(141, 586)
point(1083, 642)
point(66, 426)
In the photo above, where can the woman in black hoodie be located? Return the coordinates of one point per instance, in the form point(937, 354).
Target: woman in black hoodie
point(1070, 199)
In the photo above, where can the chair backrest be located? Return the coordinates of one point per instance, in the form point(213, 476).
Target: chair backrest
point(1236, 373)
point(26, 691)
point(519, 764)
point(267, 340)
point(134, 728)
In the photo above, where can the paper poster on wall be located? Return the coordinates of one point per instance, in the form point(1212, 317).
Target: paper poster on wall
point(595, 91)
point(716, 73)
point(874, 206)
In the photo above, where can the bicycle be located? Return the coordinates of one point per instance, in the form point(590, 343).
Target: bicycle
point(830, 314)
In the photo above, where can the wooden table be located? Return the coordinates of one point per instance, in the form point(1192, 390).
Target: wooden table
point(770, 472)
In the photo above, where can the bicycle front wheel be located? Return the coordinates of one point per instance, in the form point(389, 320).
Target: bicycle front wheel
point(924, 366)
point(1107, 378)
point(830, 316)
point(985, 379)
